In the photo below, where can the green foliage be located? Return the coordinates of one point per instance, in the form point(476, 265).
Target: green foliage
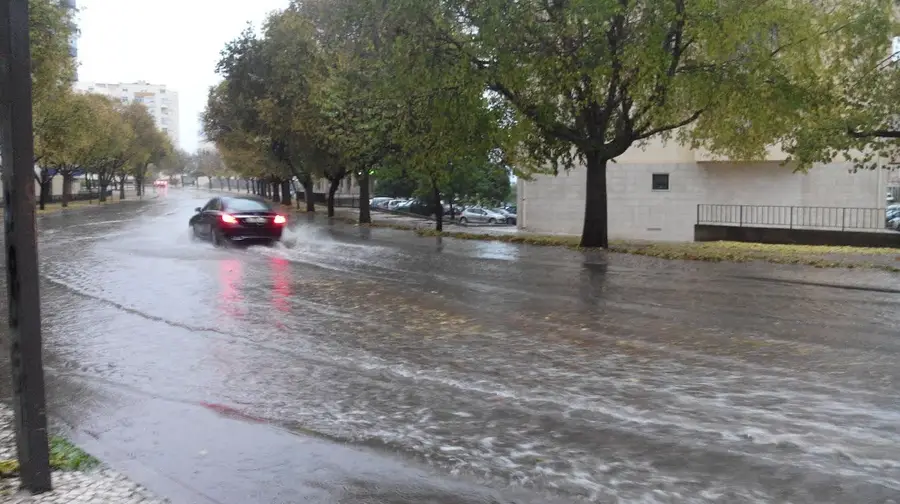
point(589, 79)
point(52, 67)
point(65, 133)
point(454, 95)
point(64, 456)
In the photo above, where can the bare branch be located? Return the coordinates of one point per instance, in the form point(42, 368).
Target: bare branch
point(668, 127)
point(549, 126)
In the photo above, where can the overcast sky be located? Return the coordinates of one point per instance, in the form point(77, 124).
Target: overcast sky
point(171, 42)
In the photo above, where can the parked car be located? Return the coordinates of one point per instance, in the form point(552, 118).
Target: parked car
point(379, 202)
point(510, 216)
point(892, 217)
point(394, 203)
point(240, 219)
point(481, 216)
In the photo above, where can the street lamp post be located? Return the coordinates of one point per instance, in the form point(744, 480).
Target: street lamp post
point(17, 151)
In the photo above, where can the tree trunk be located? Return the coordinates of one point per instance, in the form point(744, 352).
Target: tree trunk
point(595, 232)
point(67, 188)
point(438, 211)
point(42, 198)
point(286, 192)
point(103, 185)
point(122, 187)
point(228, 181)
point(209, 182)
point(333, 186)
point(139, 178)
point(247, 184)
point(309, 195)
point(276, 191)
point(365, 213)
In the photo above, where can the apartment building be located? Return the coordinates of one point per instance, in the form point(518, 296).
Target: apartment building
point(654, 192)
point(159, 100)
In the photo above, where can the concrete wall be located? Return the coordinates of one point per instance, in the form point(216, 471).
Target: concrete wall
point(555, 205)
point(796, 236)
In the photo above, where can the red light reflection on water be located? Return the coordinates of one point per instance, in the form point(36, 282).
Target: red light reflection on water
point(281, 284)
point(230, 298)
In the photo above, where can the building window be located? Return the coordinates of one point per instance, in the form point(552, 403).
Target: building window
point(660, 181)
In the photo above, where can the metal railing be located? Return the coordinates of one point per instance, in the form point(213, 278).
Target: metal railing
point(793, 217)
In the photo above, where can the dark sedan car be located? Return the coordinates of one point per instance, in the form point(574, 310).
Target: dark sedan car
point(237, 219)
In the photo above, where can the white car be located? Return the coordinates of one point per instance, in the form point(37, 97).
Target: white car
point(480, 216)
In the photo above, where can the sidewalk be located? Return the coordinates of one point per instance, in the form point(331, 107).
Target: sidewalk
point(77, 477)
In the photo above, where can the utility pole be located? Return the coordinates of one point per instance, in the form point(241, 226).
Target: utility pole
point(17, 150)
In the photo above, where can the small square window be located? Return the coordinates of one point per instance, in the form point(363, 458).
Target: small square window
point(660, 181)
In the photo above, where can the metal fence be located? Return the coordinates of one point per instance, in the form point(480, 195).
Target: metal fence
point(793, 217)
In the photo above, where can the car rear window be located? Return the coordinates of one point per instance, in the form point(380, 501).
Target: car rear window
point(246, 205)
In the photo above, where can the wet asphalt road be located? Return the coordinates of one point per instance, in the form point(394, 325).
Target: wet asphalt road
point(355, 365)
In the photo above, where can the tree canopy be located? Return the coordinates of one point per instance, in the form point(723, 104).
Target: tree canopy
point(451, 90)
point(75, 132)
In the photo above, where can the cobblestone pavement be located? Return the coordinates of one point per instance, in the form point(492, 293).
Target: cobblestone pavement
point(100, 486)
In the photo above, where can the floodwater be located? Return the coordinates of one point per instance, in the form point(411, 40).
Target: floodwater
point(479, 372)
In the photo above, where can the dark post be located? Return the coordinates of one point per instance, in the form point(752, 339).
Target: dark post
point(17, 150)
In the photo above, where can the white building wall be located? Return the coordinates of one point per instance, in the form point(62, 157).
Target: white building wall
point(159, 100)
point(555, 205)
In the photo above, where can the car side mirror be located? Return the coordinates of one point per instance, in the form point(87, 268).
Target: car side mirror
point(198, 209)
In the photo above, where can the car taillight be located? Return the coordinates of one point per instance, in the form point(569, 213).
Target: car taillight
point(280, 219)
point(228, 219)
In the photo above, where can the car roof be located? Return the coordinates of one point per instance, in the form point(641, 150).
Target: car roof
point(250, 198)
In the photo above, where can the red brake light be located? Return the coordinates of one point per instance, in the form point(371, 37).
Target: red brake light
point(228, 219)
point(280, 219)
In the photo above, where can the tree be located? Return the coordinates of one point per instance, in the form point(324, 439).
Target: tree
point(175, 164)
point(62, 141)
point(855, 117)
point(51, 27)
point(53, 71)
point(109, 147)
point(446, 129)
point(394, 183)
point(210, 164)
point(590, 79)
point(149, 146)
point(358, 120)
point(255, 106)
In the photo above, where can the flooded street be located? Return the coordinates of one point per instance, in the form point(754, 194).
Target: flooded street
point(373, 364)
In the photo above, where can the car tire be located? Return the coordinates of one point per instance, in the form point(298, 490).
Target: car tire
point(219, 240)
point(509, 221)
point(463, 221)
point(492, 221)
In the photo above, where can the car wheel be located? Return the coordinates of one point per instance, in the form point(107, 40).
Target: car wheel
point(492, 221)
point(463, 221)
point(217, 239)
